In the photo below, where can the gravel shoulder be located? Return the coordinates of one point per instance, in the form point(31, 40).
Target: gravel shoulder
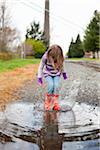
point(88, 76)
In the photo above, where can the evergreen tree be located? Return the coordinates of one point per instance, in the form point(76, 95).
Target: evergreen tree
point(70, 49)
point(91, 37)
point(34, 32)
point(76, 48)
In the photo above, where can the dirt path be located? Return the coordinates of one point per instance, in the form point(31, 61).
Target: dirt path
point(11, 81)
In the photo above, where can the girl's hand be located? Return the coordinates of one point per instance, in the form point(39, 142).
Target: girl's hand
point(40, 81)
point(64, 75)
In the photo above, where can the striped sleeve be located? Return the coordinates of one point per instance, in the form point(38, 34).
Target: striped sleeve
point(41, 65)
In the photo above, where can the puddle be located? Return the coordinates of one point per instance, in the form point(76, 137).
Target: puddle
point(25, 126)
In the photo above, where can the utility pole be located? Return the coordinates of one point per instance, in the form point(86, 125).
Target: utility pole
point(46, 24)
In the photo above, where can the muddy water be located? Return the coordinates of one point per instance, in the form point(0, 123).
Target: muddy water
point(25, 126)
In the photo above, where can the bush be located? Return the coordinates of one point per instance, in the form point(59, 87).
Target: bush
point(38, 47)
point(6, 55)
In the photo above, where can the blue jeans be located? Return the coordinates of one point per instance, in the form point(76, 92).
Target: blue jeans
point(53, 84)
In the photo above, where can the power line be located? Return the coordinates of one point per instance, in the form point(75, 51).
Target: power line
point(29, 6)
point(66, 22)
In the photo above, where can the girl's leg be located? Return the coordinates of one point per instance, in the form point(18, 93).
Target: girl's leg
point(56, 93)
point(48, 96)
point(50, 85)
point(56, 85)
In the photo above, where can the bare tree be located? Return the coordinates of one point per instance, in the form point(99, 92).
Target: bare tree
point(7, 34)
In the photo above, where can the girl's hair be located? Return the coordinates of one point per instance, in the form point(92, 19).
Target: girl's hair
point(55, 57)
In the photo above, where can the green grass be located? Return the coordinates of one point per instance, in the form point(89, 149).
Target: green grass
point(16, 63)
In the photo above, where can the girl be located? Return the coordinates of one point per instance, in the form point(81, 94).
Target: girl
point(51, 67)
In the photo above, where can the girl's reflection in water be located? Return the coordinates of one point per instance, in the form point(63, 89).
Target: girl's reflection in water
point(50, 139)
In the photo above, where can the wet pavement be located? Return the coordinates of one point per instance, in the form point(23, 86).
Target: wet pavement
point(24, 125)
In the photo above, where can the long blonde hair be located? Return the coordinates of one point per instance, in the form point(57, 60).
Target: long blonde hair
point(55, 57)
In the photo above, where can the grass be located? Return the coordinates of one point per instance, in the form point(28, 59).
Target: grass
point(16, 63)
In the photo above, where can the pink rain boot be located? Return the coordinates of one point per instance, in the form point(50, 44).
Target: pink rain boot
point(47, 102)
point(55, 100)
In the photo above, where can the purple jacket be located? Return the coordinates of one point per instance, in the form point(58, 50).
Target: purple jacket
point(46, 69)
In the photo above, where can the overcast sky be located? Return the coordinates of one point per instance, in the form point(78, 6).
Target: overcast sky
point(67, 17)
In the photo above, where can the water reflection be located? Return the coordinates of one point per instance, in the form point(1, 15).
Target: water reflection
point(50, 138)
point(23, 126)
point(81, 145)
